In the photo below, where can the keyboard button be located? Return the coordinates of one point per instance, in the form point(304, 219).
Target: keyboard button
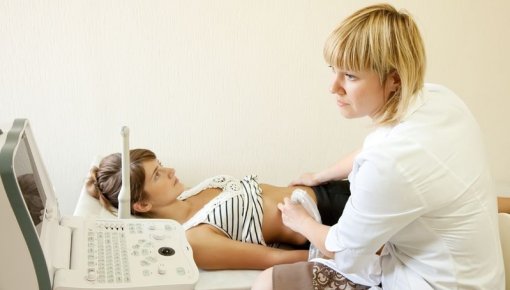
point(162, 269)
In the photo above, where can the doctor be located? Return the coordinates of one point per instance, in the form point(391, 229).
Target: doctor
point(422, 212)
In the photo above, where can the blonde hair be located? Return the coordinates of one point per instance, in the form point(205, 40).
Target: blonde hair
point(384, 40)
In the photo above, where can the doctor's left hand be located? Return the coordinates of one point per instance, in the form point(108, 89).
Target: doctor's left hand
point(294, 215)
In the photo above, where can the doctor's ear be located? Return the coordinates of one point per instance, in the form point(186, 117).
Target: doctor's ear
point(142, 206)
point(393, 81)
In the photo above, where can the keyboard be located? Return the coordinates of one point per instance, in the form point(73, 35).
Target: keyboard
point(130, 254)
point(108, 258)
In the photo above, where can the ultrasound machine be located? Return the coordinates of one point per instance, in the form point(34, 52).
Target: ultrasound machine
point(40, 249)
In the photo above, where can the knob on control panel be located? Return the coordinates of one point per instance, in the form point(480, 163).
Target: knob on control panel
point(166, 251)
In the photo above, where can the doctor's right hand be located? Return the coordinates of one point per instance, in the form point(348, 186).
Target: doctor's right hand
point(294, 215)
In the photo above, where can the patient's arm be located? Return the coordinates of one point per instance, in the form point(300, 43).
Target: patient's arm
point(504, 204)
point(213, 251)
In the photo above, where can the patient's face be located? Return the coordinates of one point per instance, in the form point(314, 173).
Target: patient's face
point(161, 183)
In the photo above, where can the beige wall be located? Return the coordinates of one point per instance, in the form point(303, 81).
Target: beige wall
point(235, 87)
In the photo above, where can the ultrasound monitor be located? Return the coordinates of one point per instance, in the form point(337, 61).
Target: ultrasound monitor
point(26, 197)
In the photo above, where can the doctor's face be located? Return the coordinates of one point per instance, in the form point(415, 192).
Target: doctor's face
point(359, 94)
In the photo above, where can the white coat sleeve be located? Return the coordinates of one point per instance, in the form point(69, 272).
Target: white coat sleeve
point(383, 201)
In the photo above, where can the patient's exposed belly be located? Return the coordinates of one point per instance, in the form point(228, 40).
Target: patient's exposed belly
point(273, 228)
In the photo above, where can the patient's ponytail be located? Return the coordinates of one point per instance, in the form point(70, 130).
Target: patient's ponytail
point(94, 190)
point(104, 181)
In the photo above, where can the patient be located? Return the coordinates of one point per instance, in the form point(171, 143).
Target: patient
point(230, 223)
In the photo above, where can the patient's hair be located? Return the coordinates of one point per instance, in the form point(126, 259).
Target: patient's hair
point(104, 181)
point(384, 40)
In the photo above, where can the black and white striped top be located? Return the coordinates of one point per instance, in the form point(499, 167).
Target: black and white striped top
point(237, 211)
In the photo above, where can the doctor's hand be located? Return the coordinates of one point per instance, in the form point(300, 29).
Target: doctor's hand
point(294, 215)
point(308, 179)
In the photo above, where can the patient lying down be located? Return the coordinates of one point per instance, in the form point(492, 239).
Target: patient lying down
point(230, 223)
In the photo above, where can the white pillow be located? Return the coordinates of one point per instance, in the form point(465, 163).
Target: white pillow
point(89, 206)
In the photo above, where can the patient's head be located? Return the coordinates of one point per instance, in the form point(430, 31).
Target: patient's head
point(105, 180)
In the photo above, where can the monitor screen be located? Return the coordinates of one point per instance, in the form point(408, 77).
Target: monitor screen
point(29, 182)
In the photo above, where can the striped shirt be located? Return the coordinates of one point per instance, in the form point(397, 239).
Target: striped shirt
point(237, 211)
